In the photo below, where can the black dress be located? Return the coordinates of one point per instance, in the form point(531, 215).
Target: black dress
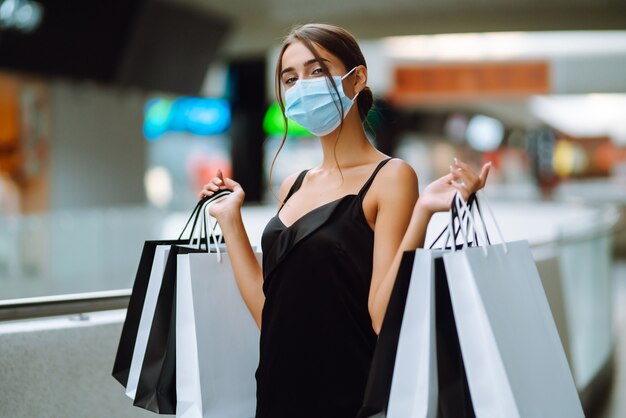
point(317, 339)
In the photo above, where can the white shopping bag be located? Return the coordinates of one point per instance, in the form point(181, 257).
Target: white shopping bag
point(147, 314)
point(515, 364)
point(217, 339)
point(188, 395)
point(414, 384)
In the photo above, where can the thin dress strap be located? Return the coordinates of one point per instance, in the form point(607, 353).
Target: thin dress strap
point(294, 187)
point(370, 180)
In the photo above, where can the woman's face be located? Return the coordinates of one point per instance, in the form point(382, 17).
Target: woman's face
point(299, 63)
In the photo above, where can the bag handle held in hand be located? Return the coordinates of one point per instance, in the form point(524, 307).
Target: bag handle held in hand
point(446, 231)
point(210, 230)
point(214, 239)
point(195, 214)
point(461, 205)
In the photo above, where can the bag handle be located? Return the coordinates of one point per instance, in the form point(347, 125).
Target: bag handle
point(195, 214)
point(462, 206)
point(454, 213)
point(483, 196)
point(214, 239)
point(210, 229)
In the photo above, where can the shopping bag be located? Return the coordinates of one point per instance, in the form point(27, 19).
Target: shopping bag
point(156, 387)
point(149, 317)
point(404, 377)
point(414, 386)
point(378, 388)
point(156, 384)
point(147, 313)
point(217, 339)
point(144, 292)
point(454, 398)
point(514, 360)
point(146, 269)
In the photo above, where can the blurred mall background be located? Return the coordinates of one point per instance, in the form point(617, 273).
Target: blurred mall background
point(113, 113)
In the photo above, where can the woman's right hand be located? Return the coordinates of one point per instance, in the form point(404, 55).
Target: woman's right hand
point(228, 207)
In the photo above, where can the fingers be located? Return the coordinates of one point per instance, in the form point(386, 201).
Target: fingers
point(204, 193)
point(231, 184)
point(473, 182)
point(450, 177)
point(215, 185)
point(484, 173)
point(461, 175)
point(461, 164)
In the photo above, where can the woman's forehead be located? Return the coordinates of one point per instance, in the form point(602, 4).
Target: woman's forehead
point(297, 54)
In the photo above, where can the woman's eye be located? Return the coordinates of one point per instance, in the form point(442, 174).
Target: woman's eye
point(318, 71)
point(290, 80)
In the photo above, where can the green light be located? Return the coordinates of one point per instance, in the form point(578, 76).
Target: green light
point(274, 125)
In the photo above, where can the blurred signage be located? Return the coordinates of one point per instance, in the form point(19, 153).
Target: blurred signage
point(274, 123)
point(432, 81)
point(198, 116)
point(9, 113)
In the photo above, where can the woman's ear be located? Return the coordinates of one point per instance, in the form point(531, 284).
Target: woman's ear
point(360, 78)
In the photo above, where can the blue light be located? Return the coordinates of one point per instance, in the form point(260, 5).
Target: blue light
point(197, 116)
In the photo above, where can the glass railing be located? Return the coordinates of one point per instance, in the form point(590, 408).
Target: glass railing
point(85, 261)
point(86, 251)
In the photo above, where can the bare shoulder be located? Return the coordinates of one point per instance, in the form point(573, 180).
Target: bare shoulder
point(395, 186)
point(393, 195)
point(396, 174)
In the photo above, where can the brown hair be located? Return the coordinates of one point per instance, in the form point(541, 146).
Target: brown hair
point(338, 42)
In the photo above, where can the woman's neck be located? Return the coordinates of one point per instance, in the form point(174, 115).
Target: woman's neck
point(352, 148)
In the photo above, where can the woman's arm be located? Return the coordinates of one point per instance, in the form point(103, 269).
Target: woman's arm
point(396, 191)
point(412, 239)
point(246, 268)
point(393, 204)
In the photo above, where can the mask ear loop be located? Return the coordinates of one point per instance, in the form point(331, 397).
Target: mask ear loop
point(344, 77)
point(348, 73)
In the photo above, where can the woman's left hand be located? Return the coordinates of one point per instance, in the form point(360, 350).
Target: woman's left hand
point(438, 195)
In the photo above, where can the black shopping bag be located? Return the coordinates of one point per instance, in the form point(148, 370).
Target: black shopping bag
point(126, 346)
point(128, 337)
point(454, 395)
point(156, 388)
point(378, 386)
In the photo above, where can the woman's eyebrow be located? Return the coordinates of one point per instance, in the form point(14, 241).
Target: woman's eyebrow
point(306, 64)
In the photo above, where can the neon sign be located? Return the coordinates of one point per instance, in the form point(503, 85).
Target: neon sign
point(198, 116)
point(274, 124)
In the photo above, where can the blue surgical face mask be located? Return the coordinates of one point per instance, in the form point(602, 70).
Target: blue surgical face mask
point(314, 104)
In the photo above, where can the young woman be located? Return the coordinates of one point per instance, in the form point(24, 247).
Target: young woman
point(331, 253)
